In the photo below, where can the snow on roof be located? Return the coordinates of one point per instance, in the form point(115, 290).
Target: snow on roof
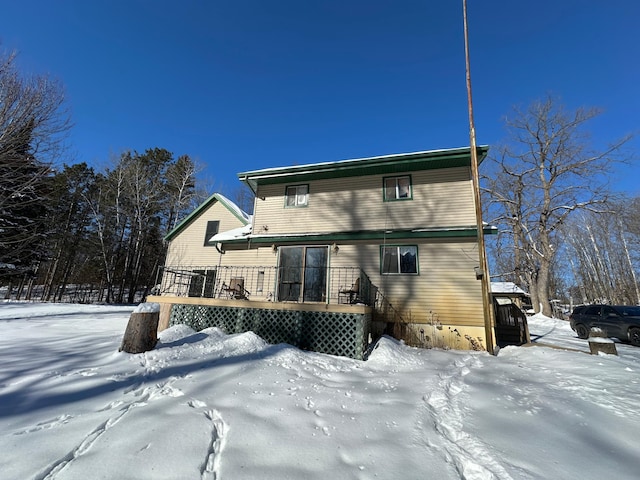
point(234, 234)
point(394, 156)
point(235, 210)
point(506, 287)
point(232, 206)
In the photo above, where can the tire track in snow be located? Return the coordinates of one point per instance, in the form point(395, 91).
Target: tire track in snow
point(445, 411)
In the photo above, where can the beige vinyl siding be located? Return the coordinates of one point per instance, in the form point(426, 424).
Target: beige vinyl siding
point(441, 198)
point(445, 289)
point(258, 257)
point(187, 248)
point(247, 264)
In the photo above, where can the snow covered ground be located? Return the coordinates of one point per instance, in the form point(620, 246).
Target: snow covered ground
point(230, 407)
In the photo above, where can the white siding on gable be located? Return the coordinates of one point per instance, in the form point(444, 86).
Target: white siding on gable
point(441, 198)
point(187, 247)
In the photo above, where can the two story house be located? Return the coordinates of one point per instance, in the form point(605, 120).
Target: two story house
point(393, 237)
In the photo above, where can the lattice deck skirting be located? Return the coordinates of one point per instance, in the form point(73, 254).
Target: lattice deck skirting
point(336, 333)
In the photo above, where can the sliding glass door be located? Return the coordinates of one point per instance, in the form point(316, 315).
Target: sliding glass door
point(302, 274)
point(315, 274)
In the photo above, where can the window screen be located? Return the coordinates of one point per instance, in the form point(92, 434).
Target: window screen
point(401, 259)
point(397, 188)
point(297, 196)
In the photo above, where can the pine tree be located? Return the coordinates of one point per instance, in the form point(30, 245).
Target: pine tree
point(23, 205)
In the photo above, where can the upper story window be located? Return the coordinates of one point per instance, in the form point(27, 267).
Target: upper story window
point(212, 229)
point(297, 196)
point(399, 259)
point(397, 188)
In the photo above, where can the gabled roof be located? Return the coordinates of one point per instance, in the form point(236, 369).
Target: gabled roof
point(387, 164)
point(241, 215)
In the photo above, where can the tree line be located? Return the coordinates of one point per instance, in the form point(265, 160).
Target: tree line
point(99, 234)
point(68, 228)
point(564, 235)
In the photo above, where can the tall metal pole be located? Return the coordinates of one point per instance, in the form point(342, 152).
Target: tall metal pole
point(486, 285)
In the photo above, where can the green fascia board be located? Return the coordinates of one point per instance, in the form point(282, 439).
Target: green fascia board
point(198, 211)
point(331, 237)
point(384, 165)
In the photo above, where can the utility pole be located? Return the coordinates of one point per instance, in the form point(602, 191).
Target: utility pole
point(487, 305)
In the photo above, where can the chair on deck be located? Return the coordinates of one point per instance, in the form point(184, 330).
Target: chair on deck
point(234, 290)
point(351, 295)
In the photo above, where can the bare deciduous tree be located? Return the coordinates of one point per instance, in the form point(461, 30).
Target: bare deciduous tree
point(604, 260)
point(244, 197)
point(544, 173)
point(180, 185)
point(31, 113)
point(33, 124)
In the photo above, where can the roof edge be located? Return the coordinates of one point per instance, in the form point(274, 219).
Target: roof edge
point(216, 197)
point(253, 177)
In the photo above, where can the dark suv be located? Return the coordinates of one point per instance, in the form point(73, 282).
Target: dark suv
point(617, 321)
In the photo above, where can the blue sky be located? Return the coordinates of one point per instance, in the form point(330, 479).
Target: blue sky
point(247, 84)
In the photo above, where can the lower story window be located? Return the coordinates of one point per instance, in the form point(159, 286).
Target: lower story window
point(399, 259)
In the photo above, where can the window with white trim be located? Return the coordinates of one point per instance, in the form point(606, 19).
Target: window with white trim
point(399, 259)
point(397, 188)
point(297, 196)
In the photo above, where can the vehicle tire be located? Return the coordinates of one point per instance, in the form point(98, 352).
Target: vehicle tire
point(634, 336)
point(582, 331)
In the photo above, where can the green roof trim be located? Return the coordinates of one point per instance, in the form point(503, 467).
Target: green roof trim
point(367, 235)
point(216, 197)
point(387, 164)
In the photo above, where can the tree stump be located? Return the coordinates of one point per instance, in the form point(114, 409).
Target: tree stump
point(141, 334)
point(598, 342)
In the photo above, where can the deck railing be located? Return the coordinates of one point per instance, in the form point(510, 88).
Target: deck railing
point(333, 285)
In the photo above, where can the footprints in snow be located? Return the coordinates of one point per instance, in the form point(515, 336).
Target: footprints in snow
point(218, 431)
point(56, 422)
point(446, 411)
point(211, 465)
point(143, 395)
point(138, 394)
point(56, 467)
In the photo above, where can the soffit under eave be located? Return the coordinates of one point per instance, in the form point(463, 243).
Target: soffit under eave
point(469, 232)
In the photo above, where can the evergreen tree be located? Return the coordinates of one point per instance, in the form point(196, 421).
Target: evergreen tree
point(24, 206)
point(69, 223)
